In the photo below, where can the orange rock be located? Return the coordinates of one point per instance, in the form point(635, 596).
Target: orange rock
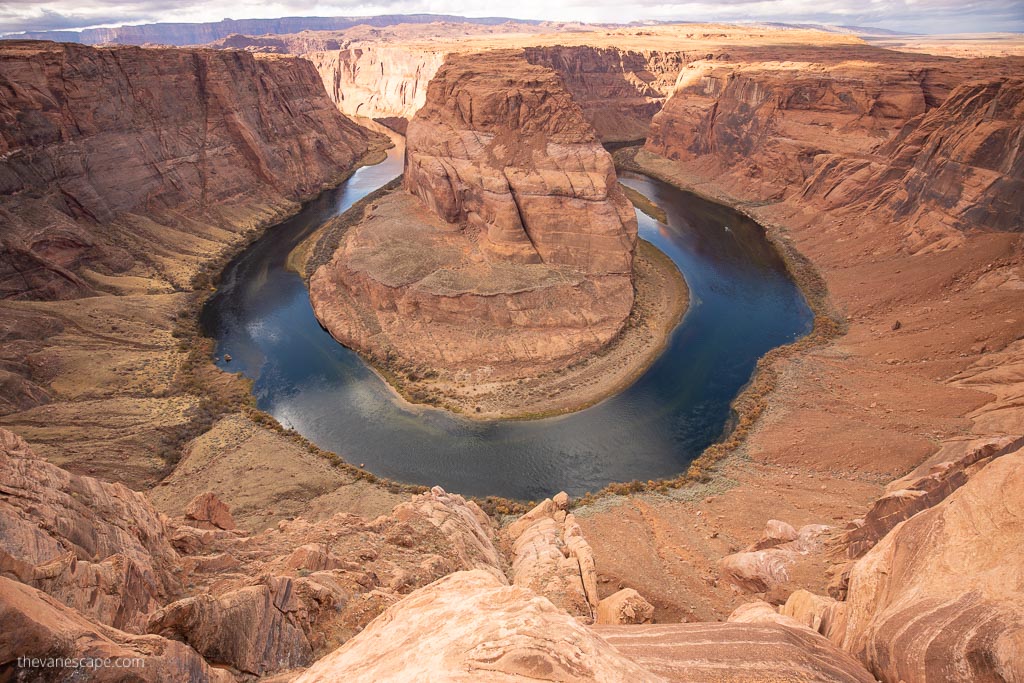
point(470, 627)
point(98, 547)
point(938, 598)
point(518, 258)
point(209, 512)
point(36, 625)
point(624, 607)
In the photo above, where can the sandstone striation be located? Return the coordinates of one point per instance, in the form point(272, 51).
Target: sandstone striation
point(122, 202)
point(36, 626)
point(377, 82)
point(957, 167)
point(470, 626)
point(514, 254)
point(699, 653)
point(619, 90)
point(855, 130)
point(938, 598)
point(99, 548)
point(551, 557)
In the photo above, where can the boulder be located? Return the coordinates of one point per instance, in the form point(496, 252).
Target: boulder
point(37, 626)
point(624, 607)
point(208, 512)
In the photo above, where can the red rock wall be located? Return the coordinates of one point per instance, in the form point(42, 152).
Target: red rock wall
point(619, 91)
point(89, 135)
point(502, 146)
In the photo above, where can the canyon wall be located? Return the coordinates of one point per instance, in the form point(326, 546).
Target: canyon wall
point(111, 158)
point(377, 82)
point(912, 139)
point(957, 168)
point(514, 253)
point(618, 90)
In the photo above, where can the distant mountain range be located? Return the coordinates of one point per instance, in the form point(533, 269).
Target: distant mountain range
point(201, 33)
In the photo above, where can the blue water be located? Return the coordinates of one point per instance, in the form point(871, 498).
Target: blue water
point(743, 304)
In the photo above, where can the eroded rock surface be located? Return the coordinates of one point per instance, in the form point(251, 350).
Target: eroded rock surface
point(99, 548)
point(38, 626)
point(182, 146)
point(471, 626)
point(551, 557)
point(699, 653)
point(939, 597)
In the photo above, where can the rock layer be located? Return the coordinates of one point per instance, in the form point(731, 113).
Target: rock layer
point(468, 627)
point(699, 653)
point(99, 548)
point(184, 146)
point(521, 261)
point(939, 597)
point(903, 138)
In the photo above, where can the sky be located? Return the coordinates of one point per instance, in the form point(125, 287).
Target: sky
point(916, 16)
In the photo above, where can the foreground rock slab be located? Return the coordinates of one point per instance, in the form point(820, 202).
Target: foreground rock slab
point(939, 597)
point(737, 652)
point(470, 627)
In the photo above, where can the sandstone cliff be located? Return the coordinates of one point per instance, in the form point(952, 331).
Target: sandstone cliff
point(859, 130)
point(618, 90)
point(938, 598)
point(182, 149)
point(515, 253)
point(957, 168)
point(377, 82)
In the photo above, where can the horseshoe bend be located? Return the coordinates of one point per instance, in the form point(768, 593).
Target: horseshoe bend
point(507, 254)
point(421, 347)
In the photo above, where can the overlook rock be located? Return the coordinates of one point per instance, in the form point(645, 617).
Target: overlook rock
point(512, 249)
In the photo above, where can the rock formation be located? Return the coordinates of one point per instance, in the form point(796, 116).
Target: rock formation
point(957, 167)
point(200, 145)
point(36, 626)
point(99, 548)
point(708, 653)
point(519, 259)
point(551, 557)
point(377, 82)
point(938, 598)
point(624, 607)
point(471, 626)
point(765, 564)
point(895, 136)
point(618, 90)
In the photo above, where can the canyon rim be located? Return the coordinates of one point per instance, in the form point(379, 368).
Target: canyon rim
point(860, 519)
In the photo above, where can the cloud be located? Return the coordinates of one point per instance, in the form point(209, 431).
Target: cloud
point(923, 16)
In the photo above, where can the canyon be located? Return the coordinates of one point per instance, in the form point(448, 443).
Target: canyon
point(861, 522)
point(509, 254)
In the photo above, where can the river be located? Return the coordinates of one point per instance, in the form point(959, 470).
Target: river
point(743, 304)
